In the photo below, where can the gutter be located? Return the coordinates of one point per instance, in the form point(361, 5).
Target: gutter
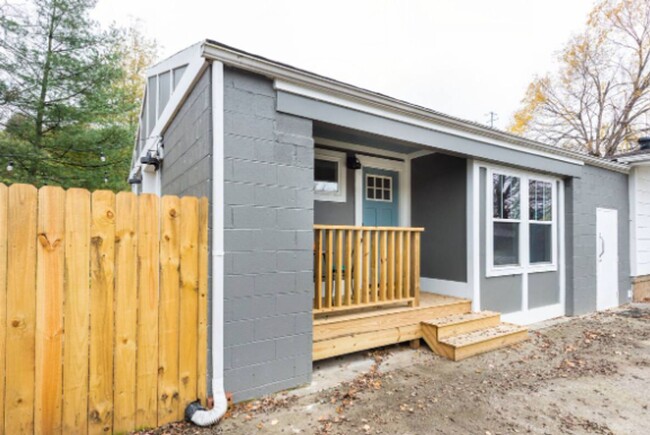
point(373, 100)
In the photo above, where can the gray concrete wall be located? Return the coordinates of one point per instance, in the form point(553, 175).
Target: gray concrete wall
point(595, 188)
point(543, 289)
point(268, 240)
point(439, 204)
point(187, 167)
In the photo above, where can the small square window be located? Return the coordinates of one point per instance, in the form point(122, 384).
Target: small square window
point(379, 188)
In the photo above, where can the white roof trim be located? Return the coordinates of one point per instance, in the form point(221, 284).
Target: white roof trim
point(348, 103)
point(195, 66)
point(368, 100)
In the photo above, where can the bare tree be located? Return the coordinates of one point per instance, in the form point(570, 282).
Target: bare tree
point(598, 100)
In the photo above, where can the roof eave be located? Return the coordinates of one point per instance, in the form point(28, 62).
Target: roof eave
point(275, 70)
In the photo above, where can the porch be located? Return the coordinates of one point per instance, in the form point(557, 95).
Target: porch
point(367, 294)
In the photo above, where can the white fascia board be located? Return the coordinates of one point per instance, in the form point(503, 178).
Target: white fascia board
point(195, 68)
point(408, 119)
point(286, 76)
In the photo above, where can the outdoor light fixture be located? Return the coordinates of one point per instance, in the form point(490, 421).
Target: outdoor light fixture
point(10, 166)
point(151, 161)
point(353, 162)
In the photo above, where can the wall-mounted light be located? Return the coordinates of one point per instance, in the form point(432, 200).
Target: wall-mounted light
point(151, 161)
point(353, 162)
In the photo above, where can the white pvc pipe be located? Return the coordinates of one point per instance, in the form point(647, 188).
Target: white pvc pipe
point(201, 416)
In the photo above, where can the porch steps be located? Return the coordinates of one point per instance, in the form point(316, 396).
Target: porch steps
point(461, 336)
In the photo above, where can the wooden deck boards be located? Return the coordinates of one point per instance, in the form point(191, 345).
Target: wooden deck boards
point(355, 331)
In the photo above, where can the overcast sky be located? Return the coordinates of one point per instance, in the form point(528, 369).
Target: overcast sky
point(464, 57)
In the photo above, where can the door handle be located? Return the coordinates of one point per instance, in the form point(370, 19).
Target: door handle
point(602, 241)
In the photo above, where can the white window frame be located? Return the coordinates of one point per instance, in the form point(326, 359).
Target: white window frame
point(524, 221)
point(382, 177)
point(340, 158)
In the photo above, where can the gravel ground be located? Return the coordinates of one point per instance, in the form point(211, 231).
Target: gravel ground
point(590, 374)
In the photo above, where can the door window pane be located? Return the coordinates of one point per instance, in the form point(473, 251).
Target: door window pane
point(506, 243)
point(379, 188)
point(540, 243)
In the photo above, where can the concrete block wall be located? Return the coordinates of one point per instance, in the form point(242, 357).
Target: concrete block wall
point(187, 164)
point(596, 188)
point(268, 240)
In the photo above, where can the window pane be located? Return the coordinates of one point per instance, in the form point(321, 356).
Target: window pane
point(510, 197)
point(326, 174)
point(540, 243)
point(540, 201)
point(506, 243)
point(387, 183)
point(371, 181)
point(387, 194)
point(505, 192)
point(496, 195)
point(371, 193)
point(548, 202)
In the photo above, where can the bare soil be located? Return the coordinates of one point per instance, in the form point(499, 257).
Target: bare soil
point(590, 374)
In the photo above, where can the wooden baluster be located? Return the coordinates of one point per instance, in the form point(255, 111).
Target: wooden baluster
point(339, 268)
point(407, 264)
point(399, 294)
point(374, 256)
point(383, 265)
point(391, 265)
point(328, 267)
point(357, 266)
point(366, 268)
point(318, 267)
point(348, 267)
point(416, 269)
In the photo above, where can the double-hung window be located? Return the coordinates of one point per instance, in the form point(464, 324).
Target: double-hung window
point(540, 221)
point(506, 209)
point(522, 223)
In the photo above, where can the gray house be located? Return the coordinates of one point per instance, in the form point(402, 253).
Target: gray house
point(343, 219)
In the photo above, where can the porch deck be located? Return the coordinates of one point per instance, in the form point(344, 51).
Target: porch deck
point(342, 333)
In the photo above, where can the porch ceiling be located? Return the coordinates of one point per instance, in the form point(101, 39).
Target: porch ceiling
point(358, 137)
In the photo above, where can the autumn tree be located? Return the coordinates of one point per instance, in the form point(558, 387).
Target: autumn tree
point(599, 99)
point(65, 96)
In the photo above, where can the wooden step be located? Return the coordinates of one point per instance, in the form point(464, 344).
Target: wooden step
point(457, 324)
point(484, 340)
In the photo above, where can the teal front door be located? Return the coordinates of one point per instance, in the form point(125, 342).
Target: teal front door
point(380, 198)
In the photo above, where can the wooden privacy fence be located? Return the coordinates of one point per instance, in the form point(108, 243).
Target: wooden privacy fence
point(103, 309)
point(358, 267)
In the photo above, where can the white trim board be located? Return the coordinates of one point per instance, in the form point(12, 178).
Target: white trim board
point(534, 315)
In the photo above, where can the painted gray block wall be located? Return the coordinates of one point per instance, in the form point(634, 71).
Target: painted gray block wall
point(269, 216)
point(595, 188)
point(187, 167)
point(439, 204)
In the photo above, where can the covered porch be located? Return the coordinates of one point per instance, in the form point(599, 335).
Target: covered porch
point(391, 249)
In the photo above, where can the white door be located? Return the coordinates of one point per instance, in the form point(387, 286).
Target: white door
point(607, 258)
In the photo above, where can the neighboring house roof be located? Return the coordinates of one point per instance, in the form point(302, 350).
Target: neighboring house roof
point(290, 78)
point(639, 155)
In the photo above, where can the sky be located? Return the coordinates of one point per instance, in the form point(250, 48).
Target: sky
point(465, 58)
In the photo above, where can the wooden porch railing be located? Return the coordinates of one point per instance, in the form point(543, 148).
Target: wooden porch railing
point(359, 267)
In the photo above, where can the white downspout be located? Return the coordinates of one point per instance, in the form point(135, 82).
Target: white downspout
point(194, 411)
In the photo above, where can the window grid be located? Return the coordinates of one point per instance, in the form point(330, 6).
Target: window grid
point(379, 188)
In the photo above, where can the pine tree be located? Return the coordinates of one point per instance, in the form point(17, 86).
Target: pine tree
point(60, 102)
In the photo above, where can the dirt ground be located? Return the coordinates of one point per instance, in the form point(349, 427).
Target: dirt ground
point(589, 374)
